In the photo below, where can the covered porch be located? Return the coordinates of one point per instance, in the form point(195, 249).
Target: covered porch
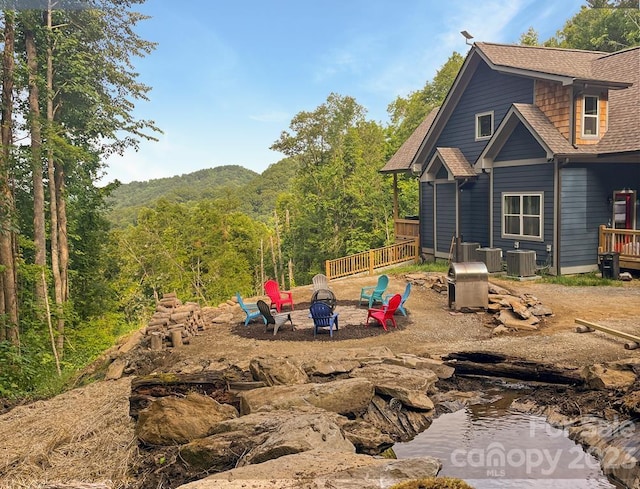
point(626, 242)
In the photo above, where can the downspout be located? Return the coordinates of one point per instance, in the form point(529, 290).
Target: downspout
point(457, 208)
point(491, 209)
point(556, 221)
point(420, 217)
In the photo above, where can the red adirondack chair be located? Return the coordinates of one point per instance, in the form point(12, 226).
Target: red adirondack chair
point(385, 313)
point(278, 297)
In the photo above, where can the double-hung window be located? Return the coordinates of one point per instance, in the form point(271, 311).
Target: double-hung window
point(522, 215)
point(484, 125)
point(590, 116)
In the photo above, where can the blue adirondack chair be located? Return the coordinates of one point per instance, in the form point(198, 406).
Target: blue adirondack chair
point(374, 293)
point(405, 296)
point(323, 317)
point(251, 310)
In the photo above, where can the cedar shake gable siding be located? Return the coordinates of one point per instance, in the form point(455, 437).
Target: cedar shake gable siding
point(554, 100)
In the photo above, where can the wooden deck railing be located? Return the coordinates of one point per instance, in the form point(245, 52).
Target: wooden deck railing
point(623, 241)
point(406, 229)
point(368, 261)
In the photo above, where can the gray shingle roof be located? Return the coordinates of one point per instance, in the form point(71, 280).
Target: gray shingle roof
point(623, 133)
point(401, 160)
point(571, 63)
point(456, 162)
point(541, 124)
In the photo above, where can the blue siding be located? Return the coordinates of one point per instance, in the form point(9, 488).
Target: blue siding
point(446, 209)
point(521, 145)
point(585, 191)
point(579, 230)
point(426, 215)
point(487, 90)
point(525, 178)
point(442, 174)
point(474, 210)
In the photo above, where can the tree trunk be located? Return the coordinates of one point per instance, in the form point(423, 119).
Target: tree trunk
point(39, 237)
point(496, 365)
point(62, 230)
point(7, 207)
point(58, 285)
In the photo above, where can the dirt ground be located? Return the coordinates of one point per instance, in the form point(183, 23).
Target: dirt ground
point(432, 329)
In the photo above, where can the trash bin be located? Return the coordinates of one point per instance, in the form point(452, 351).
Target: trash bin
point(468, 285)
point(609, 264)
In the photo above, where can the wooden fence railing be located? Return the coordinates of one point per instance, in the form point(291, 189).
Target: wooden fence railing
point(406, 229)
point(368, 261)
point(623, 241)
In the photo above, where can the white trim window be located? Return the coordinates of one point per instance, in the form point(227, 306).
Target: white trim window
point(522, 215)
point(590, 115)
point(484, 125)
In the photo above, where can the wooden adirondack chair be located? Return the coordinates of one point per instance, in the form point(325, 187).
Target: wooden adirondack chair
point(384, 314)
point(374, 293)
point(278, 297)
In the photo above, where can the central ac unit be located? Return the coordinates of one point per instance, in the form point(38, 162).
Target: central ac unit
point(467, 252)
point(491, 257)
point(521, 263)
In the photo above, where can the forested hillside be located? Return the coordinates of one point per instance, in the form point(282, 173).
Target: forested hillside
point(252, 193)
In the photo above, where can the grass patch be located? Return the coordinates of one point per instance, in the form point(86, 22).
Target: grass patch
point(581, 280)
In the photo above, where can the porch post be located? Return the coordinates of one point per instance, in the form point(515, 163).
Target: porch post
point(395, 196)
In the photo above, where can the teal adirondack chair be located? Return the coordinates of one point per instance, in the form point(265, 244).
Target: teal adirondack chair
point(374, 293)
point(405, 296)
point(251, 310)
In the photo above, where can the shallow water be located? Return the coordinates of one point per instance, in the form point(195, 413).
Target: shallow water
point(491, 446)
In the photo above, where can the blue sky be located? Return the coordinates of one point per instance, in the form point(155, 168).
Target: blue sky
point(228, 77)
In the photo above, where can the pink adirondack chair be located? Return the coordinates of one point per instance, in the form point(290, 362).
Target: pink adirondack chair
point(385, 313)
point(278, 297)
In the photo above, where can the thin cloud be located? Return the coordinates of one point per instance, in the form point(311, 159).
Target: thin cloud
point(274, 116)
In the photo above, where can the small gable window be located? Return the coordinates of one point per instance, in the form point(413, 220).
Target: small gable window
point(484, 125)
point(590, 116)
point(522, 215)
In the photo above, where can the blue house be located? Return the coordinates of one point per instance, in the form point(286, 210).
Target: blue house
point(533, 149)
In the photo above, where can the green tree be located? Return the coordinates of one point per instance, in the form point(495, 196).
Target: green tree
point(75, 88)
point(406, 114)
point(338, 202)
point(529, 38)
point(601, 25)
point(9, 298)
point(203, 251)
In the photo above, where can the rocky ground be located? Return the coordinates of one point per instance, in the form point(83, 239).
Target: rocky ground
point(87, 434)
